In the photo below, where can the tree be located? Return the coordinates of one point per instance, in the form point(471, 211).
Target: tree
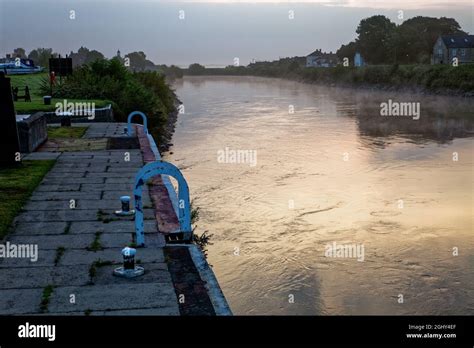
point(347, 51)
point(416, 37)
point(19, 52)
point(138, 61)
point(294, 66)
point(196, 69)
point(85, 56)
point(111, 80)
point(40, 56)
point(172, 72)
point(375, 39)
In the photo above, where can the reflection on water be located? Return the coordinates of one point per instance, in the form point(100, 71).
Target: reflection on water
point(332, 171)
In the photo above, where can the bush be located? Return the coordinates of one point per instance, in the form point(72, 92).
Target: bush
point(431, 77)
point(109, 79)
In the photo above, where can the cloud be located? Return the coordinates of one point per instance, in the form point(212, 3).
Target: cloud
point(376, 4)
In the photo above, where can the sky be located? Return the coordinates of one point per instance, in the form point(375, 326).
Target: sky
point(210, 32)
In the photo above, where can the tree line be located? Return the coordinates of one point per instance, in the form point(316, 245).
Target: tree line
point(134, 61)
point(380, 41)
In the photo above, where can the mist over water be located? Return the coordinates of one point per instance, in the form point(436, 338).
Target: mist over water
point(303, 195)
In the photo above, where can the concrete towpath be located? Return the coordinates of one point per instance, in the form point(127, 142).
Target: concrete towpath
point(70, 217)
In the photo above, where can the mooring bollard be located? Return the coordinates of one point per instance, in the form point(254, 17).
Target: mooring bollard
point(129, 269)
point(129, 258)
point(125, 201)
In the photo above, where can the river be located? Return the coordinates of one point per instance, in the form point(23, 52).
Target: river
point(321, 176)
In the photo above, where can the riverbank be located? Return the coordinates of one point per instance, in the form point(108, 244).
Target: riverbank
point(167, 132)
point(420, 79)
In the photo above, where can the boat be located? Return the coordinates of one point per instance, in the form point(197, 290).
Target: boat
point(18, 67)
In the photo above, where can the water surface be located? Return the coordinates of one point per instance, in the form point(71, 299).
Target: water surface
point(334, 170)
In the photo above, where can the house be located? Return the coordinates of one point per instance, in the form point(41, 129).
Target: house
point(321, 59)
point(448, 47)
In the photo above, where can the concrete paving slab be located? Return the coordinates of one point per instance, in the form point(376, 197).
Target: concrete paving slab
point(20, 301)
point(57, 215)
point(47, 242)
point(53, 196)
point(45, 258)
point(40, 228)
point(107, 187)
point(25, 277)
point(84, 257)
point(48, 205)
point(154, 273)
point(57, 187)
point(63, 181)
point(113, 297)
point(72, 275)
point(115, 227)
point(116, 240)
point(38, 156)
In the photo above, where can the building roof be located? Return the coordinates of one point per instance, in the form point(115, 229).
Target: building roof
point(315, 53)
point(458, 41)
point(320, 54)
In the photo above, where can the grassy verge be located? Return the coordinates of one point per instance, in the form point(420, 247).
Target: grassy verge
point(16, 186)
point(34, 82)
point(36, 104)
point(66, 132)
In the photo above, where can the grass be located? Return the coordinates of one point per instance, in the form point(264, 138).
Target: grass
point(16, 186)
point(66, 132)
point(93, 269)
point(96, 245)
point(67, 229)
point(103, 216)
point(204, 239)
point(92, 273)
point(34, 82)
point(59, 253)
point(47, 292)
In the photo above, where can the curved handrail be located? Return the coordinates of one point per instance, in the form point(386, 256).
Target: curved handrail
point(149, 171)
point(129, 122)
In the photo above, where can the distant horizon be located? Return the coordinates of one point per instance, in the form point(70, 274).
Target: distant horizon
point(212, 33)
